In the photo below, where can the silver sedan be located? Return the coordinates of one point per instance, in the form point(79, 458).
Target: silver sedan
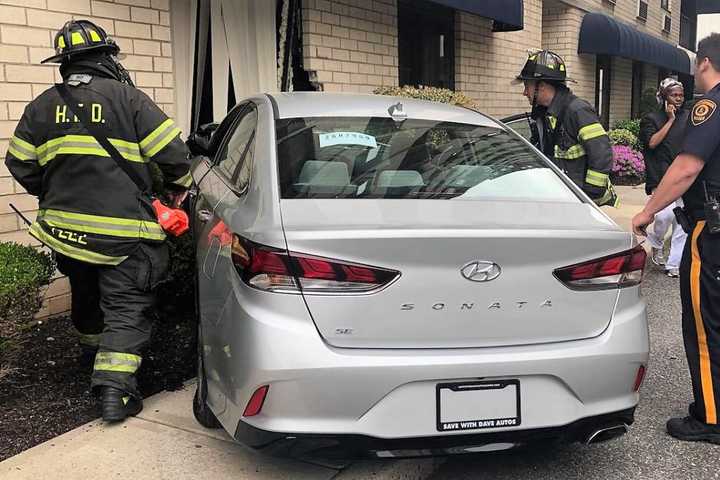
point(408, 278)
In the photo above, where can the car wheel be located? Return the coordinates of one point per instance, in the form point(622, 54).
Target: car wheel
point(201, 410)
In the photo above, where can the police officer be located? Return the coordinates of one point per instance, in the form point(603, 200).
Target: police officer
point(573, 136)
point(99, 223)
point(695, 170)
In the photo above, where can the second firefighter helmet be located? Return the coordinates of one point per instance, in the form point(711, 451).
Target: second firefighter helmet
point(78, 37)
point(544, 65)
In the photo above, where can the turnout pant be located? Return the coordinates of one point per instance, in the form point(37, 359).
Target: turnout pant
point(700, 293)
point(110, 310)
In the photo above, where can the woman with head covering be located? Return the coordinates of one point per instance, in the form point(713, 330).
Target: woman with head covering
point(661, 134)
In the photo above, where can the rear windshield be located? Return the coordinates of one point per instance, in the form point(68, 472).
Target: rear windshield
point(355, 157)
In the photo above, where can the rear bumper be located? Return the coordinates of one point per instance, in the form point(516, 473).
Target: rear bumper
point(316, 389)
point(277, 443)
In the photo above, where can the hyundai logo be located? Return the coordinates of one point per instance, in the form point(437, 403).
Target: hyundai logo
point(481, 271)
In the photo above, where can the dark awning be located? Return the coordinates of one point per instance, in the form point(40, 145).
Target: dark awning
point(507, 15)
point(707, 6)
point(604, 35)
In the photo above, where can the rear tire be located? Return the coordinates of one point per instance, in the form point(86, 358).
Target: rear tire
point(202, 412)
point(201, 409)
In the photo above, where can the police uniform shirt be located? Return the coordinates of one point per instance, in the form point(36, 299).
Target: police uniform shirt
point(702, 139)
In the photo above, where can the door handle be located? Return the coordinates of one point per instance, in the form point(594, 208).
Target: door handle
point(204, 215)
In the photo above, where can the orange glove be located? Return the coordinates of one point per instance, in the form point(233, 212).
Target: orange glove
point(173, 220)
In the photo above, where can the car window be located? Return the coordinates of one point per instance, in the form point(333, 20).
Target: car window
point(521, 126)
point(218, 135)
point(239, 143)
point(354, 157)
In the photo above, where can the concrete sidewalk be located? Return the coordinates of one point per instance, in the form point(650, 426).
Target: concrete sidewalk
point(632, 200)
point(165, 441)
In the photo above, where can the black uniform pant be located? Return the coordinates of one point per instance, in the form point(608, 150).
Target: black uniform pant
point(110, 303)
point(700, 293)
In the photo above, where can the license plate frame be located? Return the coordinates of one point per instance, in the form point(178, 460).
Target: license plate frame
point(477, 388)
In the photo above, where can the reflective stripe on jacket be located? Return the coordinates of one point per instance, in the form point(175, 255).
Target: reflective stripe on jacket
point(582, 147)
point(90, 209)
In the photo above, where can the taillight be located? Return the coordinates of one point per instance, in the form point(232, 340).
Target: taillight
point(623, 269)
point(639, 377)
point(274, 270)
point(254, 406)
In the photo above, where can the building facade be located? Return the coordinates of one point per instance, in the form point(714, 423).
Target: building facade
point(350, 46)
point(196, 57)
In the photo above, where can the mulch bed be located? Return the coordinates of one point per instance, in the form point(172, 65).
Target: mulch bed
point(48, 393)
point(627, 181)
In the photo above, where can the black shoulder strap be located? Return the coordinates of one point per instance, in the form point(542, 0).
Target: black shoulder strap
point(101, 138)
point(555, 132)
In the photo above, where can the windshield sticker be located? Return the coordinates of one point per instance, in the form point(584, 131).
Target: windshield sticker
point(346, 138)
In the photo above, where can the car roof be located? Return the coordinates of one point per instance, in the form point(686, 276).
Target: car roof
point(322, 104)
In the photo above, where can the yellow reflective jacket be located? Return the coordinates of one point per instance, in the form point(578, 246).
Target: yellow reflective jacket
point(582, 147)
point(89, 208)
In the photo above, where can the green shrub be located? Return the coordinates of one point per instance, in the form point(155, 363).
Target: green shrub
point(632, 125)
point(621, 136)
point(24, 270)
point(434, 94)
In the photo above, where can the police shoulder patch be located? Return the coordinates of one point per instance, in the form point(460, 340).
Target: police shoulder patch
point(702, 111)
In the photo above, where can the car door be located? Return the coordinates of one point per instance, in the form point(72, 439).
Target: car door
point(221, 189)
point(521, 123)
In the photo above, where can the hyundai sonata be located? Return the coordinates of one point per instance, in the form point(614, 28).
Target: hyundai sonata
point(408, 277)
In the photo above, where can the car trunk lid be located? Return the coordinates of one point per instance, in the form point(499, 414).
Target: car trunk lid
point(432, 304)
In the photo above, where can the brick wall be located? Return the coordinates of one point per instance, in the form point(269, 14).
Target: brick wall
point(650, 77)
point(626, 10)
point(27, 28)
point(486, 61)
point(350, 45)
point(620, 90)
point(560, 33)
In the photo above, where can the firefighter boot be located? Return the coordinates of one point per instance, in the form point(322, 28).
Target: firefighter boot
point(118, 405)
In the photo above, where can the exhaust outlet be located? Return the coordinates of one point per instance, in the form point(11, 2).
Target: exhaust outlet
point(606, 433)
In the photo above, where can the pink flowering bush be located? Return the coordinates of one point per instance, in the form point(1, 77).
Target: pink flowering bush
point(627, 162)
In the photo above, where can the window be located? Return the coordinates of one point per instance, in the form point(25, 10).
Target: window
point(361, 157)
point(665, 4)
point(234, 160)
point(603, 72)
point(637, 85)
point(642, 10)
point(667, 23)
point(426, 44)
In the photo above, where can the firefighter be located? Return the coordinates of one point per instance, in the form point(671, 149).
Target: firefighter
point(573, 136)
point(695, 174)
point(98, 221)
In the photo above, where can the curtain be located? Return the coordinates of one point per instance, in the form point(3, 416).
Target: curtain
point(241, 35)
point(220, 59)
point(250, 30)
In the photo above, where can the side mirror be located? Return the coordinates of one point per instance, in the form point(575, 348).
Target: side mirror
point(199, 142)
